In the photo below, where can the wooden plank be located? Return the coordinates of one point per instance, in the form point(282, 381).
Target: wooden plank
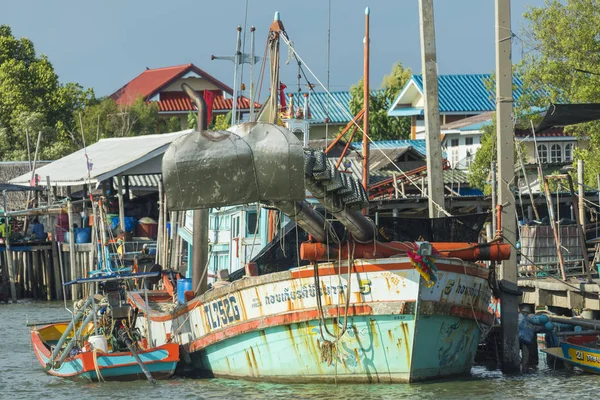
point(34, 268)
point(56, 268)
point(72, 265)
point(11, 272)
point(48, 270)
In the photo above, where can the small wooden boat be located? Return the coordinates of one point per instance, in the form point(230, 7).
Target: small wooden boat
point(102, 341)
point(90, 362)
point(580, 351)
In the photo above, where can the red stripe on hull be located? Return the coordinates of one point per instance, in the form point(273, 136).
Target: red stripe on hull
point(311, 315)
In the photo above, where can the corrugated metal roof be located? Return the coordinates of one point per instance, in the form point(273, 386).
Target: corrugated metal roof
point(461, 93)
point(450, 177)
point(141, 181)
point(109, 157)
point(183, 103)
point(321, 106)
point(556, 131)
point(418, 145)
point(472, 123)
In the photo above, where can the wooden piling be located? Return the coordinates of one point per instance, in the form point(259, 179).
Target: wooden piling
point(56, 267)
point(34, 261)
point(11, 272)
point(48, 269)
point(74, 290)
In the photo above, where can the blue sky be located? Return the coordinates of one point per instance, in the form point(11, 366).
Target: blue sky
point(104, 44)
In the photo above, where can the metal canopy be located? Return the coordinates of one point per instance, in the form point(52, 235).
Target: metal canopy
point(108, 157)
point(9, 187)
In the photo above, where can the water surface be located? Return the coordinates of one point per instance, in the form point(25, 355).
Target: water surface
point(22, 377)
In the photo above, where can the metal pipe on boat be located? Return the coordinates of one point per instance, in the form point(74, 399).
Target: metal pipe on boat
point(361, 228)
point(200, 217)
point(147, 312)
point(135, 355)
point(307, 218)
point(64, 336)
point(494, 251)
point(94, 309)
point(580, 333)
point(587, 323)
point(69, 347)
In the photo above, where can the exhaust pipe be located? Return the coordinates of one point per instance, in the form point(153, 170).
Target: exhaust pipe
point(199, 102)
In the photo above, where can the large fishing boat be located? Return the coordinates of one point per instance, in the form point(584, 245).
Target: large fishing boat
point(354, 306)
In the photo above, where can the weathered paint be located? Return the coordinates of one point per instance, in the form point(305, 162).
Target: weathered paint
point(161, 361)
point(397, 329)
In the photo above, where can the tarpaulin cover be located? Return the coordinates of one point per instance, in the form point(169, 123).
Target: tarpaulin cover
point(569, 114)
point(253, 162)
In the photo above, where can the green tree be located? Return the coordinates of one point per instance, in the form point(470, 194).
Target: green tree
point(105, 118)
point(172, 124)
point(479, 171)
point(381, 126)
point(561, 65)
point(32, 99)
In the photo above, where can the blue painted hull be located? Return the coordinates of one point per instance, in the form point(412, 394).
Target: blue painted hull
point(396, 328)
point(160, 362)
point(376, 349)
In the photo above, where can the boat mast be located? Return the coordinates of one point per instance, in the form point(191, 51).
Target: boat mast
point(435, 178)
point(274, 32)
point(365, 144)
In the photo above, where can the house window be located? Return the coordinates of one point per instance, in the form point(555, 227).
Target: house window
point(470, 151)
point(251, 222)
point(569, 152)
point(542, 153)
point(212, 222)
point(556, 153)
point(454, 153)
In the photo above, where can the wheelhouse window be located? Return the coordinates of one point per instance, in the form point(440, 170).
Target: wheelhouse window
point(251, 222)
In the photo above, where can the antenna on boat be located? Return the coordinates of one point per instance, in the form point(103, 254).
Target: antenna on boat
point(238, 59)
point(365, 147)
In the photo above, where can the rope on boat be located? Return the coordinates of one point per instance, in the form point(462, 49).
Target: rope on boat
point(96, 366)
point(327, 347)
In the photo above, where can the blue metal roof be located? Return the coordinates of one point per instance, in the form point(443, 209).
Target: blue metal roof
point(463, 93)
point(418, 145)
point(321, 105)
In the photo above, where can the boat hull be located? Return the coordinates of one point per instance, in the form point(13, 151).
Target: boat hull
point(574, 351)
point(160, 361)
point(396, 329)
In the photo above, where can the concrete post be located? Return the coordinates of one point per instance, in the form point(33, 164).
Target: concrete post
point(506, 162)
point(432, 112)
point(494, 196)
point(581, 193)
point(121, 203)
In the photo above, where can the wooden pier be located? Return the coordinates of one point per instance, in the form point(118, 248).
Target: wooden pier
point(40, 268)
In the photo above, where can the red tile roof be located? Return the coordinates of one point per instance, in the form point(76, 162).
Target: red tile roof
point(151, 81)
point(557, 131)
point(179, 101)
